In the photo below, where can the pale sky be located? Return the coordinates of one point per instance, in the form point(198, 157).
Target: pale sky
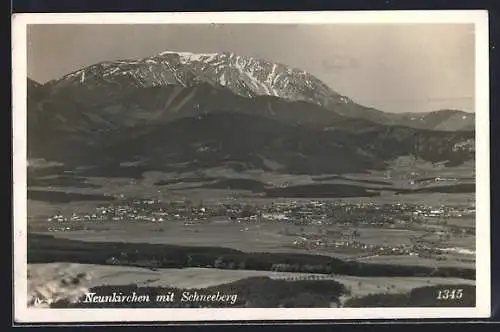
point(392, 67)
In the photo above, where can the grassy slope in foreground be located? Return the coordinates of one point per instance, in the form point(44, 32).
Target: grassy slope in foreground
point(47, 249)
point(263, 292)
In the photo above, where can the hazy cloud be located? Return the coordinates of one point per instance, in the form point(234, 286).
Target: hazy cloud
point(339, 62)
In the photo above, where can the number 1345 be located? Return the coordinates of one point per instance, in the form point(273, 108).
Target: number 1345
point(450, 294)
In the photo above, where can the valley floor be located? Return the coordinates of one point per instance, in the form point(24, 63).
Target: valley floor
point(430, 231)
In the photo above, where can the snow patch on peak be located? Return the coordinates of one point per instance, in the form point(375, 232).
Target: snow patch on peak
point(223, 79)
point(189, 56)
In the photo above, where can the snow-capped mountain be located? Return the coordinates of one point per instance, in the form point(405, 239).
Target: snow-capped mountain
point(204, 110)
point(243, 75)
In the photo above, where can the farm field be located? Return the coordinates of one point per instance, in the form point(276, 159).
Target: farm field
point(412, 260)
point(265, 237)
point(246, 238)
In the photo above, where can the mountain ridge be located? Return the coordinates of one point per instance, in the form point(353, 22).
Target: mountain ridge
point(243, 75)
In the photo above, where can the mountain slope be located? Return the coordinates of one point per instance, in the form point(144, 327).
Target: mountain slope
point(32, 84)
point(95, 116)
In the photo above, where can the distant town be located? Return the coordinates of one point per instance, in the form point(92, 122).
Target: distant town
point(338, 223)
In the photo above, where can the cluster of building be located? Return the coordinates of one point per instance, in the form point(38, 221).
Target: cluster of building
point(306, 212)
point(348, 215)
point(352, 245)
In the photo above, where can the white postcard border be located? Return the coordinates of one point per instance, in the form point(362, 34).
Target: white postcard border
point(19, 56)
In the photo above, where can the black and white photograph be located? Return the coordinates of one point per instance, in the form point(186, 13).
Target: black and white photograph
point(260, 163)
